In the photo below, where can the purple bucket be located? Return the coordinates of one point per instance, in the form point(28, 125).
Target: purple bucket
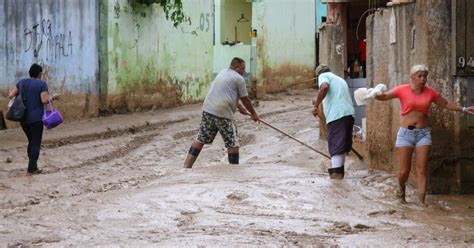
point(51, 118)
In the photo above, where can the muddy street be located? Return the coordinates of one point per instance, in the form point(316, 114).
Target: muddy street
point(119, 181)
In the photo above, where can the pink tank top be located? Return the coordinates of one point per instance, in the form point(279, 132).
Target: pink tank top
point(410, 101)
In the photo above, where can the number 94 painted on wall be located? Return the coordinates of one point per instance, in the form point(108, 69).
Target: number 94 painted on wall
point(463, 63)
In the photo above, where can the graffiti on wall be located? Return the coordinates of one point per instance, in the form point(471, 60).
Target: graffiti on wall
point(137, 37)
point(46, 44)
point(116, 10)
point(204, 24)
point(126, 8)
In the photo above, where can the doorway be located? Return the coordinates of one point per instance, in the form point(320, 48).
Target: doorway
point(233, 34)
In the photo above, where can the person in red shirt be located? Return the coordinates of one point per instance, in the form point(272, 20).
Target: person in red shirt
point(363, 55)
point(415, 132)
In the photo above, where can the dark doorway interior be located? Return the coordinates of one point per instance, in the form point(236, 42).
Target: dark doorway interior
point(357, 12)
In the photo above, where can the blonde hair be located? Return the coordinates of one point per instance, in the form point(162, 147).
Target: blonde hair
point(418, 68)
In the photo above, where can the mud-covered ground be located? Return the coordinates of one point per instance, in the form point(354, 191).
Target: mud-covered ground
point(119, 181)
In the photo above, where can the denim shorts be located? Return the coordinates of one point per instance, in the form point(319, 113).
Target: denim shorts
point(413, 138)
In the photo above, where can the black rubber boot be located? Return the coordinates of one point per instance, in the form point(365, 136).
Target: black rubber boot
point(233, 158)
point(336, 173)
point(32, 166)
point(191, 158)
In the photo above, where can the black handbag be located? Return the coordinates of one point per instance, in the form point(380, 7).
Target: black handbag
point(16, 112)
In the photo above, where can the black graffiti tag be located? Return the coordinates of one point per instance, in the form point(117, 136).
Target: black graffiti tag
point(34, 43)
point(57, 45)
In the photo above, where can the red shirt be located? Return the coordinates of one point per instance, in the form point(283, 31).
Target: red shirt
point(363, 49)
point(410, 101)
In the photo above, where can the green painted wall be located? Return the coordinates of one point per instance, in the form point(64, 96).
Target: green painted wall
point(150, 63)
point(285, 42)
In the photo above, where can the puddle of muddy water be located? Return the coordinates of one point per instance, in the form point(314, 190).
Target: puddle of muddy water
point(129, 189)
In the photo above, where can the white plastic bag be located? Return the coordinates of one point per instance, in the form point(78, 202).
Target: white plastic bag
point(10, 103)
point(361, 95)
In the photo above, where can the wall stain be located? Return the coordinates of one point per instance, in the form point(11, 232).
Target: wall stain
point(165, 92)
point(274, 78)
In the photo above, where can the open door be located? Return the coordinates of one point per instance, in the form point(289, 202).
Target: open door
point(233, 34)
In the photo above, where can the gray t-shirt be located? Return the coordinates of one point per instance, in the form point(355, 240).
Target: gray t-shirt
point(224, 94)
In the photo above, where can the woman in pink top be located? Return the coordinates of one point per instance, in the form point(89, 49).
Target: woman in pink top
point(415, 134)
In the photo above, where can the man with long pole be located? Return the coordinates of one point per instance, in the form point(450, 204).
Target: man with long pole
point(219, 106)
point(339, 111)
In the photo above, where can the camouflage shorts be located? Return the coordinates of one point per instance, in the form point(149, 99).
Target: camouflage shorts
point(211, 124)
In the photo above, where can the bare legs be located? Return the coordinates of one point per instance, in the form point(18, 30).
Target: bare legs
point(405, 155)
point(421, 171)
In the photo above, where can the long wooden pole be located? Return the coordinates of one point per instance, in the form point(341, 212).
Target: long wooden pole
point(359, 156)
point(301, 142)
point(295, 139)
point(307, 80)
